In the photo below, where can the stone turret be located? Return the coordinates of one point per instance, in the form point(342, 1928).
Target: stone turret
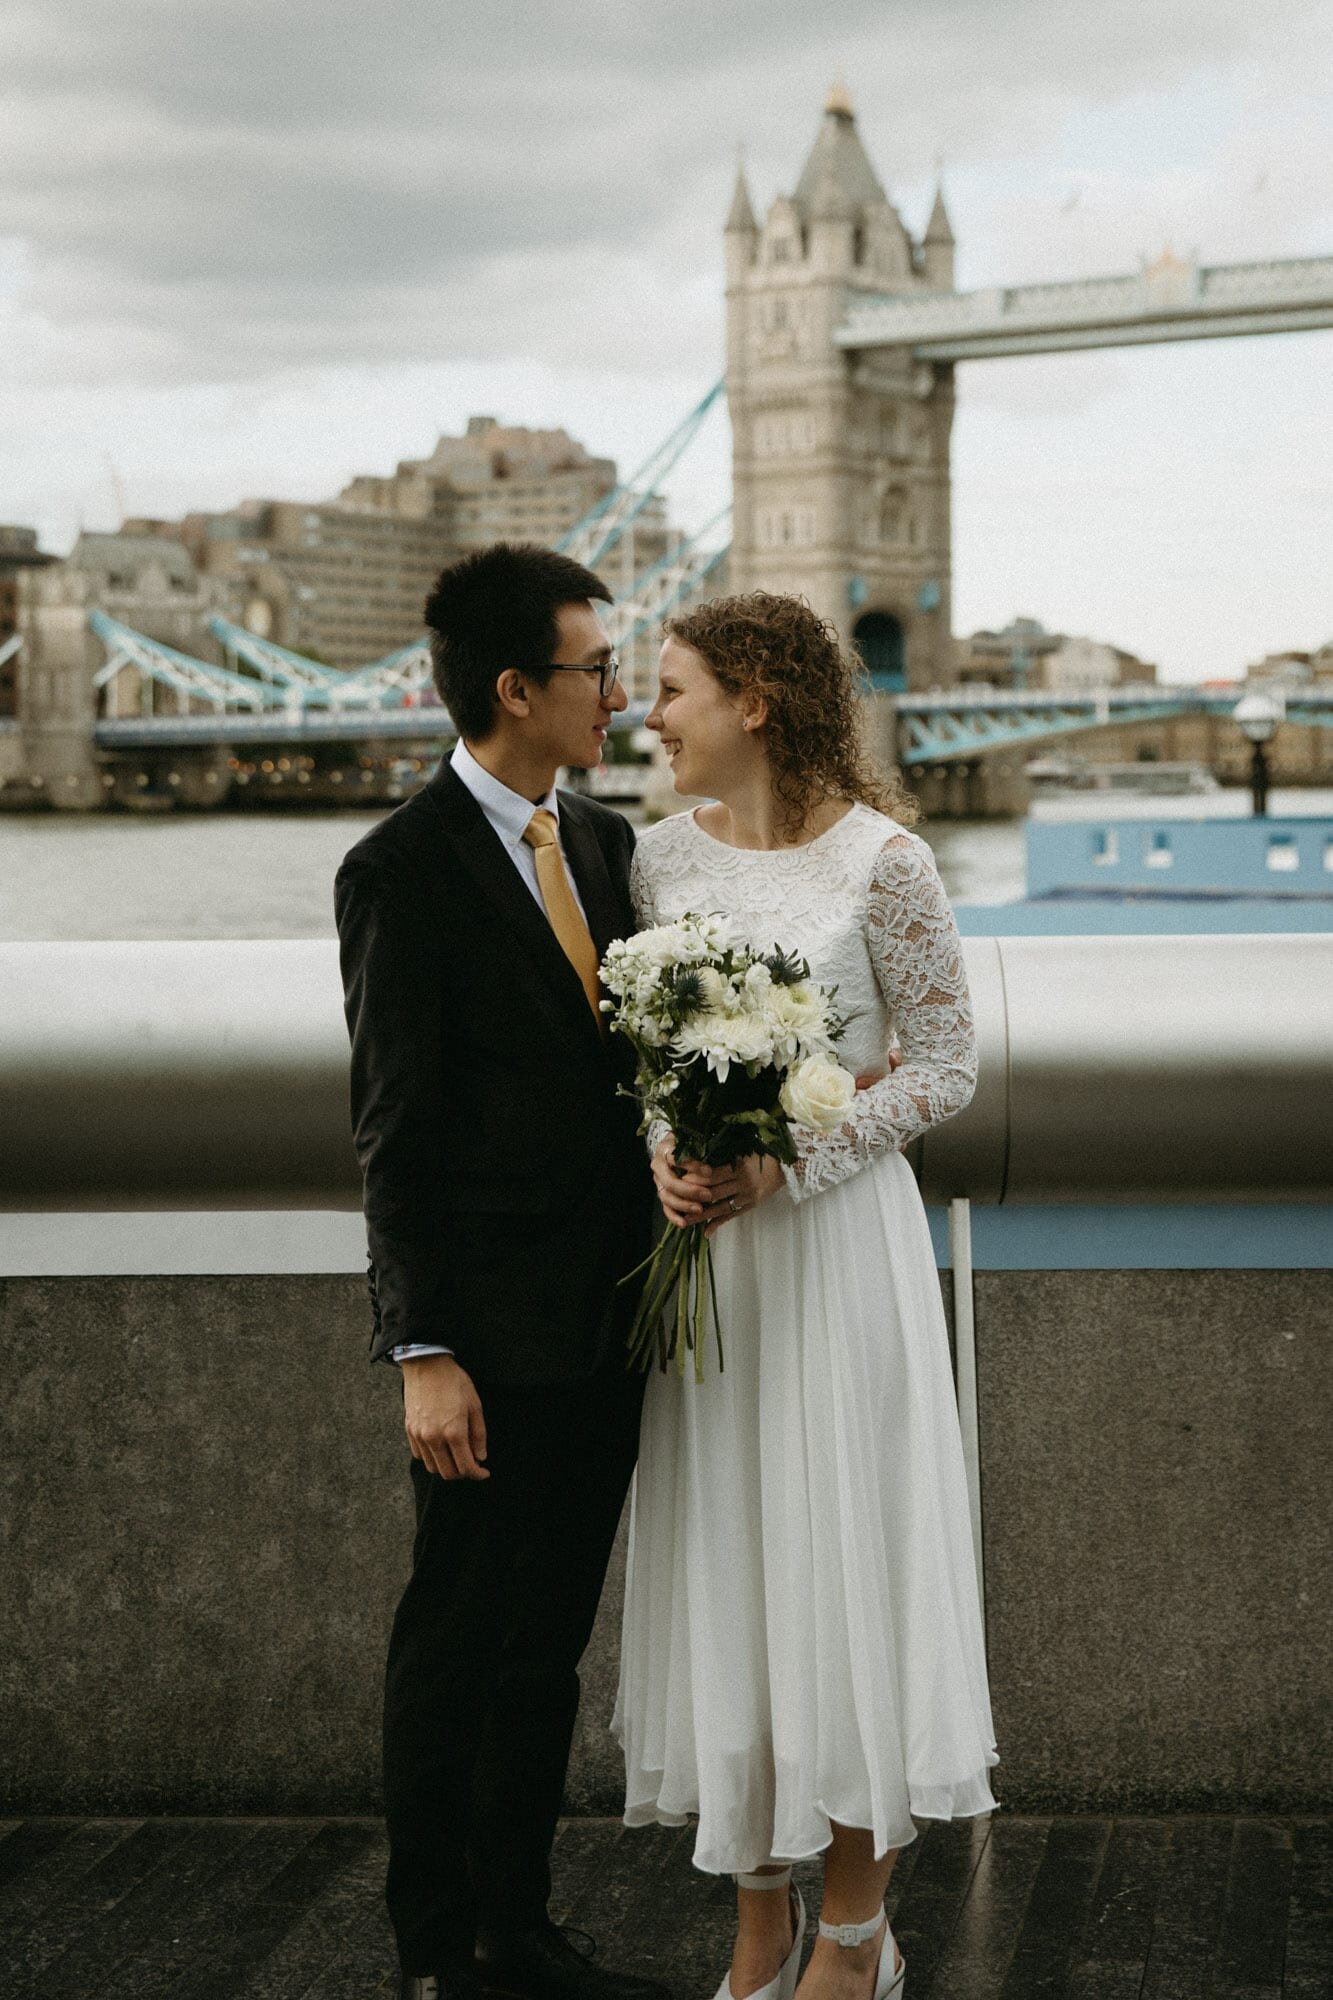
point(838, 155)
point(742, 231)
point(840, 465)
point(740, 216)
point(937, 246)
point(834, 222)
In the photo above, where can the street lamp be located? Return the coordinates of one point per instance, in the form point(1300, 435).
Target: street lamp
point(1257, 716)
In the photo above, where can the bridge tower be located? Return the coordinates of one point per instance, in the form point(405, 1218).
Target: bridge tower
point(841, 459)
point(57, 699)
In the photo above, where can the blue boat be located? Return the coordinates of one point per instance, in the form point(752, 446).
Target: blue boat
point(1103, 864)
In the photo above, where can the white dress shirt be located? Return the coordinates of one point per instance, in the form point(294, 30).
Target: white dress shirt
point(508, 813)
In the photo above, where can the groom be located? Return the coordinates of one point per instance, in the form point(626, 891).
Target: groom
point(506, 1192)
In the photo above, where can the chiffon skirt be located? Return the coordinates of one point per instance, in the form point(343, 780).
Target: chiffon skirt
point(802, 1638)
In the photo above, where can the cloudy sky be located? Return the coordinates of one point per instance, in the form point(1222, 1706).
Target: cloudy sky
point(248, 248)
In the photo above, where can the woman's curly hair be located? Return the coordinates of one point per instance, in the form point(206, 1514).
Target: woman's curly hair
point(778, 648)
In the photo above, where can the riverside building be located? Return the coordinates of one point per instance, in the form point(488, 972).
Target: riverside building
point(345, 580)
point(504, 482)
point(343, 584)
point(18, 552)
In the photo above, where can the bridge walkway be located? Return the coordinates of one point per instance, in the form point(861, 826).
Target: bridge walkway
point(1091, 1908)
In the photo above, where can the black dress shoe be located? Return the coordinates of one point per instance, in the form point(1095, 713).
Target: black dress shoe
point(542, 1964)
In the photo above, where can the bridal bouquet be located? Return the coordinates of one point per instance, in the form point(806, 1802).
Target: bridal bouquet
point(734, 1047)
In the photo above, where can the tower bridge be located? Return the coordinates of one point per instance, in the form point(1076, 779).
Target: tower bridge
point(843, 333)
point(948, 728)
point(272, 732)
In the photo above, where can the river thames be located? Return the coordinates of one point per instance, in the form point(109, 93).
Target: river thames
point(270, 875)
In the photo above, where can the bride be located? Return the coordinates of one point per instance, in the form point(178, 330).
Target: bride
point(802, 1662)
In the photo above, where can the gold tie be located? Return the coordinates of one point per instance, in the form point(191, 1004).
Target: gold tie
point(572, 934)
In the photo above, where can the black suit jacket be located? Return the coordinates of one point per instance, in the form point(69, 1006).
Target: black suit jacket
point(506, 1188)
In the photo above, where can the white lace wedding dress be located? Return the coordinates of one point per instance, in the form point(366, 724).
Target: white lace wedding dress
point(802, 1641)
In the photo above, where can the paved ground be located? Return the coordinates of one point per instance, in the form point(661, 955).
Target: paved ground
point(1091, 1909)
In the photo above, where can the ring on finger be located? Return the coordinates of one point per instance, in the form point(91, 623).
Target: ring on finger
point(733, 1204)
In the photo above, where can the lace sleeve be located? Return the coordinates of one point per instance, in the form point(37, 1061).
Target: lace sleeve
point(641, 895)
point(918, 963)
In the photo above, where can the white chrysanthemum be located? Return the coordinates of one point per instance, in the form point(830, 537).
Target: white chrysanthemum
point(664, 946)
point(726, 1039)
point(800, 1018)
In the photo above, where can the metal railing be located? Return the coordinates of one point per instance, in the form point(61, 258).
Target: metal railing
point(214, 1075)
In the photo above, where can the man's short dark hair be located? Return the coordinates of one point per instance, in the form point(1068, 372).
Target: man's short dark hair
point(496, 609)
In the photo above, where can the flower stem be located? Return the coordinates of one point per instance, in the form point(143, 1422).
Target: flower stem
point(683, 1308)
point(712, 1289)
point(680, 1262)
point(650, 1330)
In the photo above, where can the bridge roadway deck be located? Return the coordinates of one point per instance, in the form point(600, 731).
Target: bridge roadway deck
point(1006, 1909)
point(295, 725)
point(933, 727)
point(1167, 301)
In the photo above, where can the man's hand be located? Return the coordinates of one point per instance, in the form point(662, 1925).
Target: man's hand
point(442, 1417)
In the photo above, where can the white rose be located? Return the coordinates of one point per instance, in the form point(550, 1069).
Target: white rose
point(715, 989)
point(818, 1092)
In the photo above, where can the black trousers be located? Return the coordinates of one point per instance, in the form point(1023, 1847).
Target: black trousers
point(482, 1687)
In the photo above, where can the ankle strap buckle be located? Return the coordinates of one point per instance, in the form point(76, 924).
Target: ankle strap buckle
point(851, 1935)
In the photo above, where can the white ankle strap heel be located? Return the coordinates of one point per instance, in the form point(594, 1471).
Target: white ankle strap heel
point(888, 1981)
point(777, 1879)
point(852, 1934)
point(783, 1986)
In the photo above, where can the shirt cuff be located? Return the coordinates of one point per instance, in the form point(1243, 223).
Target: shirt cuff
point(409, 1350)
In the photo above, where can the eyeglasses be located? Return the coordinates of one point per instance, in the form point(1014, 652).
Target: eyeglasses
point(608, 672)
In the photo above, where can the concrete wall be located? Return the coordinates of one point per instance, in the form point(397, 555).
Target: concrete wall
point(205, 1517)
point(1157, 1500)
